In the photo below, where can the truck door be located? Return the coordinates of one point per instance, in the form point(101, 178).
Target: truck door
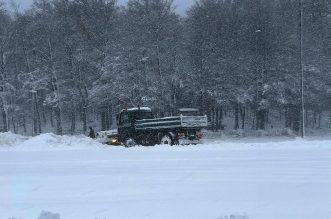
point(124, 126)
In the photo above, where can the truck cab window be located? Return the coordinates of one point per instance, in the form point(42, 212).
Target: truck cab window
point(124, 118)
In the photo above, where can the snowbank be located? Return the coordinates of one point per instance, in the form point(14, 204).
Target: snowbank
point(9, 139)
point(49, 141)
point(46, 141)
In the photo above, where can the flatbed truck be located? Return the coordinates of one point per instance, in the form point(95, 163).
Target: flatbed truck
point(137, 126)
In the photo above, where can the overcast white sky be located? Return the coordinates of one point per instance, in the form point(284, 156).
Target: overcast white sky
point(181, 5)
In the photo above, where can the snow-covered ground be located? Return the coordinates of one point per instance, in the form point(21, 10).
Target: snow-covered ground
point(255, 178)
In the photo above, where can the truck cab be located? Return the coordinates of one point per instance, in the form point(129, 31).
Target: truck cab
point(126, 121)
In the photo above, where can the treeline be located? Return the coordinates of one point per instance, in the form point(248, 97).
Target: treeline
point(77, 61)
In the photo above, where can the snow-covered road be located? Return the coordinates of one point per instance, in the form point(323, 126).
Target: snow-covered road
point(287, 179)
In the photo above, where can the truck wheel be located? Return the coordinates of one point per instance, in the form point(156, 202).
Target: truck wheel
point(166, 139)
point(129, 142)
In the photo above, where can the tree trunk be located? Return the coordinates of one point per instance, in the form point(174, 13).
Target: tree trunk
point(3, 104)
point(236, 116)
point(217, 119)
point(14, 125)
point(295, 117)
point(243, 117)
point(307, 119)
point(214, 118)
point(57, 112)
point(35, 118)
point(73, 123)
point(287, 123)
point(35, 126)
point(84, 119)
point(83, 95)
point(254, 119)
point(4, 119)
point(220, 125)
point(24, 122)
point(56, 90)
point(51, 118)
point(44, 115)
point(103, 121)
point(26, 58)
point(315, 119)
point(319, 119)
point(110, 116)
point(38, 117)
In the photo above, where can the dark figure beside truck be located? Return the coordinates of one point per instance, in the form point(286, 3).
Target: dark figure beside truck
point(92, 133)
point(138, 126)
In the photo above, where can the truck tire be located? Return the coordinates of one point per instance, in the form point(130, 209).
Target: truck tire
point(129, 142)
point(146, 139)
point(166, 139)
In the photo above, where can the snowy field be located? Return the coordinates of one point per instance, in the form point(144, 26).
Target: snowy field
point(279, 178)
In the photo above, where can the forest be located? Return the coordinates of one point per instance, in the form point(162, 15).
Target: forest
point(69, 64)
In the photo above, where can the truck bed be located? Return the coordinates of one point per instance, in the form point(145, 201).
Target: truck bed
point(172, 122)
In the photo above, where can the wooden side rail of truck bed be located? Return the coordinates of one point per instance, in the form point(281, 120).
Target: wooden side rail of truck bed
point(172, 122)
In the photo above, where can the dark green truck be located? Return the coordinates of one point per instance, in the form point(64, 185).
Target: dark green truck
point(137, 126)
